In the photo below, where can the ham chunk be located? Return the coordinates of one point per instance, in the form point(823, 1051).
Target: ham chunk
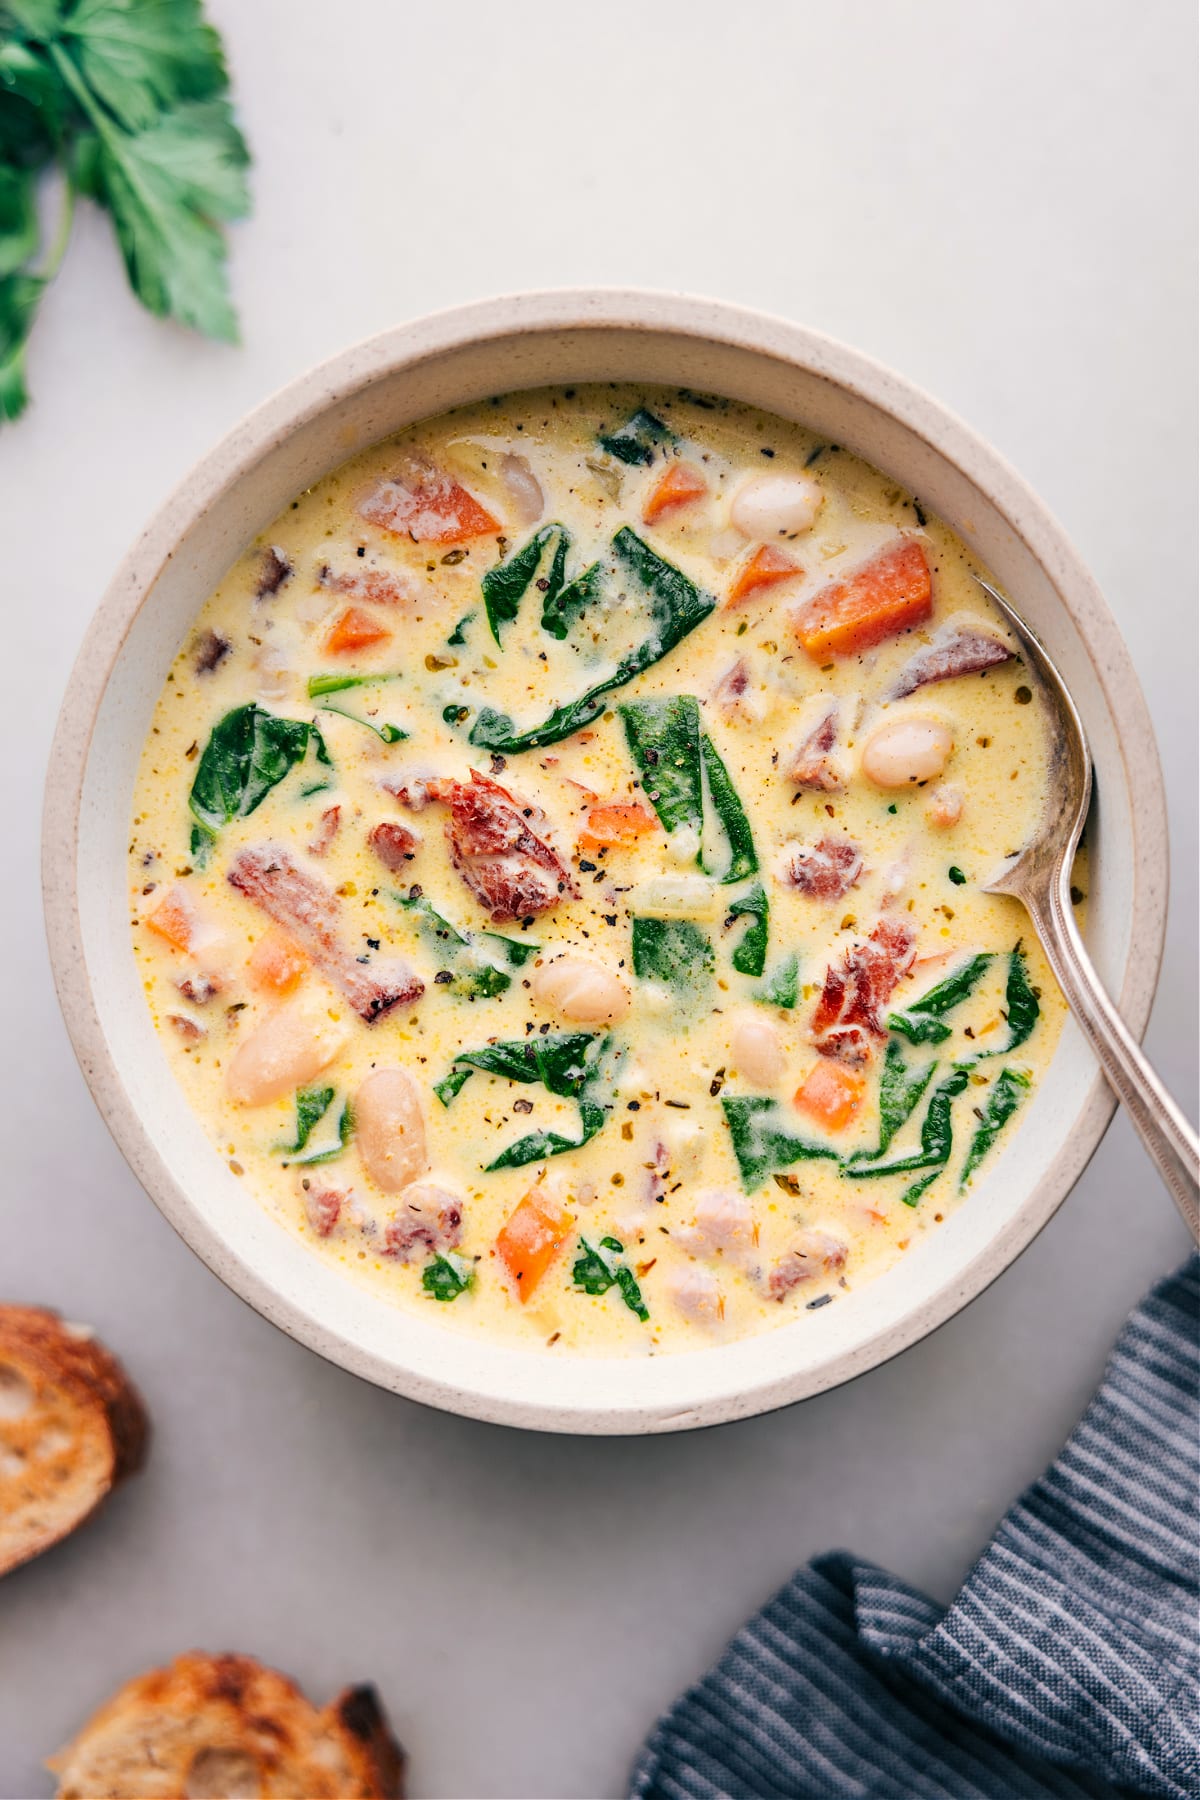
point(811, 1253)
point(428, 506)
point(394, 844)
point(729, 693)
point(328, 826)
point(956, 650)
point(382, 587)
point(825, 870)
point(309, 912)
point(274, 569)
point(428, 1218)
point(849, 1014)
point(323, 1206)
point(812, 764)
point(509, 869)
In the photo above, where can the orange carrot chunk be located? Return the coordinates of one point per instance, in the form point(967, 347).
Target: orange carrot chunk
point(446, 514)
point(174, 918)
point(679, 483)
point(763, 569)
point(276, 963)
point(891, 593)
point(355, 630)
point(830, 1094)
point(613, 824)
point(531, 1238)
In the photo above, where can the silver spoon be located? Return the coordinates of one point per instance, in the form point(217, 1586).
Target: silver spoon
point(1040, 878)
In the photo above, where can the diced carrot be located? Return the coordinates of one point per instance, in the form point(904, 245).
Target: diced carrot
point(276, 963)
point(174, 918)
point(763, 569)
point(891, 593)
point(615, 823)
point(355, 630)
point(830, 1094)
point(531, 1238)
point(679, 483)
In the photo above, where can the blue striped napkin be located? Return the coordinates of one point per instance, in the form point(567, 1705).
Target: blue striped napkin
point(1067, 1665)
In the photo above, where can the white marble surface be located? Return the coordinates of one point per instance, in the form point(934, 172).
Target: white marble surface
point(998, 200)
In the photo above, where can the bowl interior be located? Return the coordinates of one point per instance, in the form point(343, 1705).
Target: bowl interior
point(294, 440)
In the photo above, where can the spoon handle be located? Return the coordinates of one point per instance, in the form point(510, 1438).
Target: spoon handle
point(1159, 1123)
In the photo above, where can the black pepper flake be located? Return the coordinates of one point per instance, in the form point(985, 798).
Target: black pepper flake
point(522, 1106)
point(373, 943)
point(443, 977)
point(717, 1083)
point(609, 918)
point(1077, 896)
point(679, 1105)
point(634, 1106)
point(499, 764)
point(821, 1300)
point(922, 516)
point(765, 450)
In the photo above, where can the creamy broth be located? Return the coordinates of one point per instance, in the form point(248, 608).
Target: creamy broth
point(744, 1023)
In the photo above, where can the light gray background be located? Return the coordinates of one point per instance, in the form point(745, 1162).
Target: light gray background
point(998, 199)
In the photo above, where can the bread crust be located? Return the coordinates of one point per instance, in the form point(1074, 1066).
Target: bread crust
point(208, 1721)
point(72, 1427)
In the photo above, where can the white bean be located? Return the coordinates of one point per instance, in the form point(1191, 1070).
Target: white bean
point(757, 1049)
point(523, 488)
point(578, 988)
point(907, 751)
point(770, 506)
point(289, 1047)
point(389, 1129)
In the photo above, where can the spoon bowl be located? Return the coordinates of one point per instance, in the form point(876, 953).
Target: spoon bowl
point(1039, 876)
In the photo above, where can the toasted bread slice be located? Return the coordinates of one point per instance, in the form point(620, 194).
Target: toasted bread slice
point(215, 1727)
point(71, 1427)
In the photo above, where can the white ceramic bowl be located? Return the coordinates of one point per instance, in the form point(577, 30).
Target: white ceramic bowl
point(290, 442)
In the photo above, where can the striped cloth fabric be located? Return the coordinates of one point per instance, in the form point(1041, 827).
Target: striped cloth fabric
point(1067, 1666)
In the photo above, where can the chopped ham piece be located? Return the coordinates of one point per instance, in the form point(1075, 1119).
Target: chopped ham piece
point(273, 570)
point(825, 870)
point(328, 826)
point(509, 869)
point(323, 1207)
point(428, 506)
point(956, 650)
point(309, 912)
point(730, 691)
point(813, 764)
point(810, 1254)
point(189, 1030)
point(199, 988)
point(380, 586)
point(394, 844)
point(695, 1292)
point(428, 1219)
point(849, 1013)
point(209, 652)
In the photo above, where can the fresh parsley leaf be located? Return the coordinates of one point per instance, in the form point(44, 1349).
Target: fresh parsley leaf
point(18, 218)
point(140, 57)
point(19, 297)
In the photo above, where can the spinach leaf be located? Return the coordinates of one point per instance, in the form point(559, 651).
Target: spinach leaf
point(459, 634)
point(390, 734)
point(911, 1195)
point(471, 974)
point(597, 1270)
point(743, 861)
point(663, 734)
point(937, 1134)
point(448, 1276)
point(900, 1089)
point(782, 986)
point(337, 684)
point(312, 1104)
point(566, 1063)
point(921, 1022)
point(677, 607)
point(248, 753)
point(505, 586)
point(1004, 1097)
point(762, 1141)
point(679, 764)
point(674, 951)
point(750, 956)
point(563, 606)
point(1020, 1001)
point(634, 442)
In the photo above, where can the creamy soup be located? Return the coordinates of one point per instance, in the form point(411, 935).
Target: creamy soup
point(557, 871)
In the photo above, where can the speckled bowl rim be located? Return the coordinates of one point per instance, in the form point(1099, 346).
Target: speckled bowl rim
point(407, 346)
